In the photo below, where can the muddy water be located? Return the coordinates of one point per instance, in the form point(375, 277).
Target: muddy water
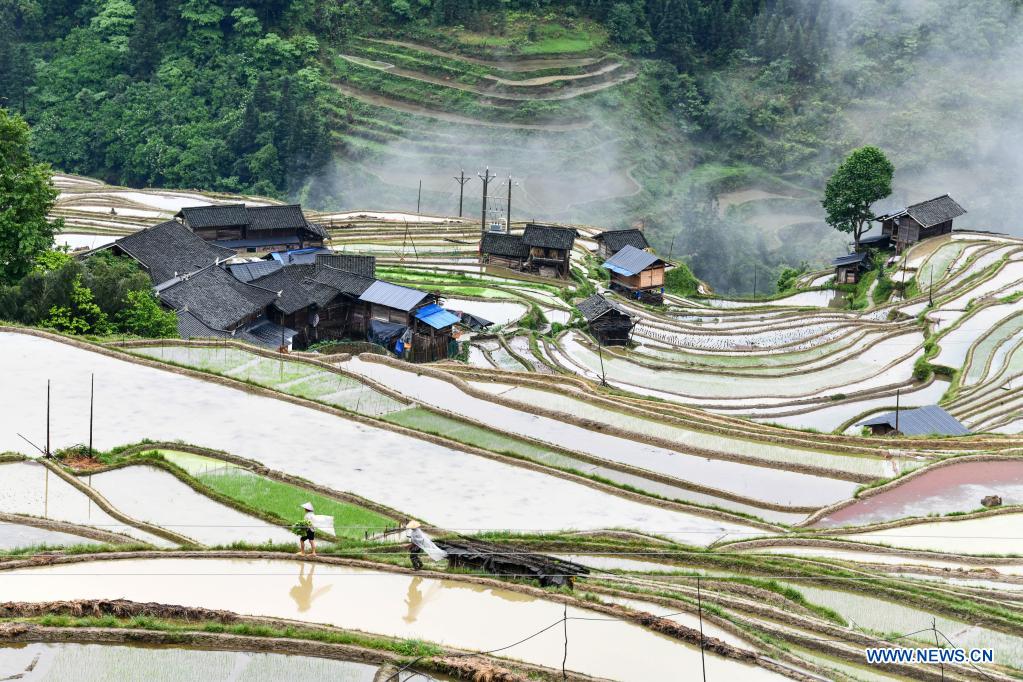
point(954, 488)
point(32, 489)
point(102, 663)
point(451, 612)
point(153, 495)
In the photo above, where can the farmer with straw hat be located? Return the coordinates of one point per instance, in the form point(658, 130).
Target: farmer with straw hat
point(304, 530)
point(419, 543)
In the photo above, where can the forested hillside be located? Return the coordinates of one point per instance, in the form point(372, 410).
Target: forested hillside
point(713, 123)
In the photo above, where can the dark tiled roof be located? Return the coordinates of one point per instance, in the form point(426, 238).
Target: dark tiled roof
point(306, 256)
point(288, 280)
point(851, 259)
point(360, 265)
point(597, 306)
point(170, 249)
point(261, 332)
point(224, 215)
point(276, 218)
point(549, 237)
point(922, 421)
point(260, 242)
point(247, 272)
point(934, 211)
point(393, 296)
point(216, 298)
point(506, 245)
point(631, 260)
point(341, 280)
point(616, 239)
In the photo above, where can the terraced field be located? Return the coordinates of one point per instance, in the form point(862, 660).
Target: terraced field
point(711, 475)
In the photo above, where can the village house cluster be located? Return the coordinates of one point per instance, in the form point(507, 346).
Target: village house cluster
point(299, 294)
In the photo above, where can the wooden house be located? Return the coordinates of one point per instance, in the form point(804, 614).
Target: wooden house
point(637, 274)
point(505, 250)
point(550, 249)
point(927, 219)
point(253, 229)
point(409, 322)
point(607, 322)
point(848, 269)
point(611, 242)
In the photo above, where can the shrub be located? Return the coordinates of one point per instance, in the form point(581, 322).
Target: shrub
point(681, 281)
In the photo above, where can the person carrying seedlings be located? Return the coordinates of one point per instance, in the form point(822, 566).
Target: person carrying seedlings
point(419, 543)
point(305, 529)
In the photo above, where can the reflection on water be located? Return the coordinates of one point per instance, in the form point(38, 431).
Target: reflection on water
point(303, 593)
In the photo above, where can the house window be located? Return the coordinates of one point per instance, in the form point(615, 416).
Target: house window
point(251, 249)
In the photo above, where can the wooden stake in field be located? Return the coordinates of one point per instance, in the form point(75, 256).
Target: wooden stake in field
point(92, 399)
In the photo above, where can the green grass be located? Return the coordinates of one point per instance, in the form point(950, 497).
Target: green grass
point(285, 500)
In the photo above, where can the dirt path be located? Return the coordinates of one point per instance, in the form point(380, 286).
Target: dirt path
point(510, 65)
point(407, 107)
point(509, 98)
point(544, 80)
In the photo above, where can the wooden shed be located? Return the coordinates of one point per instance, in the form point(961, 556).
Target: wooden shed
point(848, 269)
point(607, 322)
point(637, 274)
point(505, 250)
point(550, 249)
point(253, 229)
point(611, 242)
point(927, 219)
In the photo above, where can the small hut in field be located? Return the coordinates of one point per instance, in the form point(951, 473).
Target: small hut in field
point(607, 322)
point(639, 275)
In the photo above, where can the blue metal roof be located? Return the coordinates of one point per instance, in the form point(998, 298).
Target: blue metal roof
point(436, 317)
point(921, 421)
point(630, 261)
point(393, 296)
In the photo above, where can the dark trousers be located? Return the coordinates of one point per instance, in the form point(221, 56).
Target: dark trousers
point(413, 555)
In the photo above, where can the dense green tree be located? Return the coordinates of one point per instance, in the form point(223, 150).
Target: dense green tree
point(26, 195)
point(81, 315)
point(143, 316)
point(865, 177)
point(144, 46)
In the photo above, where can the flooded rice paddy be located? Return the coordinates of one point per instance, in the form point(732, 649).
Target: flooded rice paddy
point(102, 663)
point(443, 611)
point(947, 489)
point(995, 534)
point(444, 486)
point(156, 496)
point(15, 535)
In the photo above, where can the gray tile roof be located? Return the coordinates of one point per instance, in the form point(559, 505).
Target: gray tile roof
point(247, 272)
point(393, 296)
point(921, 421)
point(223, 215)
point(617, 239)
point(341, 280)
point(597, 306)
point(549, 236)
point(850, 259)
point(288, 280)
point(216, 298)
point(170, 249)
point(506, 245)
point(934, 211)
point(360, 265)
point(261, 332)
point(631, 260)
point(288, 217)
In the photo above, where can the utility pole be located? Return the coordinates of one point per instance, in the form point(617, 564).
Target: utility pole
point(419, 199)
point(671, 249)
point(508, 218)
point(897, 392)
point(461, 180)
point(600, 354)
point(92, 401)
point(48, 418)
point(699, 611)
point(754, 282)
point(486, 178)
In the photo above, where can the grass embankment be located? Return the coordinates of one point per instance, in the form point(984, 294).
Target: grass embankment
point(525, 33)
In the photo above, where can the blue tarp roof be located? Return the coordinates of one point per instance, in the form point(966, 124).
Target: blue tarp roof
point(436, 317)
point(630, 261)
point(922, 421)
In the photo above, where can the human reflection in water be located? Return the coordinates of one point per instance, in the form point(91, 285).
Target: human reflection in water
point(416, 599)
point(303, 593)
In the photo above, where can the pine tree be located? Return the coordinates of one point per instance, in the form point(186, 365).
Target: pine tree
point(143, 46)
